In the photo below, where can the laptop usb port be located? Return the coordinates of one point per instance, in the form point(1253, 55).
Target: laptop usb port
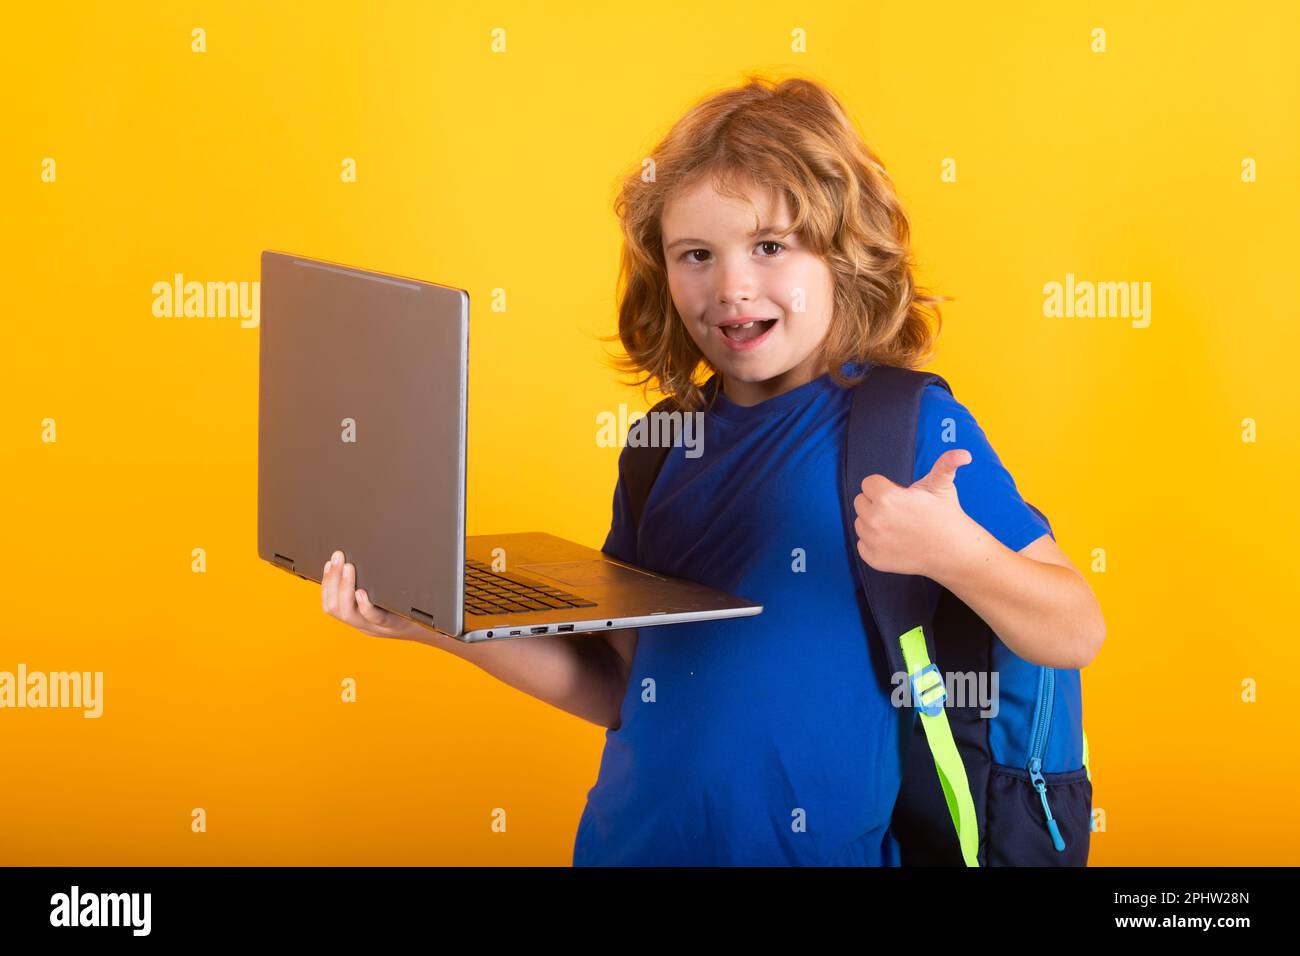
point(565, 627)
point(539, 630)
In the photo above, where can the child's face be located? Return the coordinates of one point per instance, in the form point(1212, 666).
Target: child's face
point(718, 272)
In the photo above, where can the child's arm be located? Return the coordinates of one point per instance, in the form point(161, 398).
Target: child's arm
point(581, 674)
point(584, 675)
point(1035, 600)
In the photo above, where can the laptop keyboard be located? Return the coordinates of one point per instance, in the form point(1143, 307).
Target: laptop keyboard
point(487, 592)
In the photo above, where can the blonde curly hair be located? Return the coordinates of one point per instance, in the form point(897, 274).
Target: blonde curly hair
point(792, 136)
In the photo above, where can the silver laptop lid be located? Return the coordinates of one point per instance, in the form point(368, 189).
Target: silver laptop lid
point(361, 431)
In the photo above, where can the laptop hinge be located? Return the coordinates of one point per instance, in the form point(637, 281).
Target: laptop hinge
point(422, 616)
point(284, 562)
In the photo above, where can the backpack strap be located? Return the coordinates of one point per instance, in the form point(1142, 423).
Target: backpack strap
point(642, 465)
point(881, 439)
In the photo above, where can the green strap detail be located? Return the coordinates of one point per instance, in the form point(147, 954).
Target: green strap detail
point(947, 760)
point(1085, 754)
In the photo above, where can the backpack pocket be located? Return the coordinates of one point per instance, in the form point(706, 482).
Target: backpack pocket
point(1021, 818)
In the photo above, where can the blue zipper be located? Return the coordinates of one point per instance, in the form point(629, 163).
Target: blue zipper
point(1038, 743)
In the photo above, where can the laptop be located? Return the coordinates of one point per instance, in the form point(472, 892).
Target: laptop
point(362, 421)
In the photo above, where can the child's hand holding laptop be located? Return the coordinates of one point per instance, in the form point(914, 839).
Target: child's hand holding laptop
point(340, 599)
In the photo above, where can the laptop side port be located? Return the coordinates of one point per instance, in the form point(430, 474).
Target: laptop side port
point(565, 627)
point(539, 630)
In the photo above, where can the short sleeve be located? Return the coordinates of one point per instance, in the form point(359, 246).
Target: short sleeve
point(620, 543)
point(985, 488)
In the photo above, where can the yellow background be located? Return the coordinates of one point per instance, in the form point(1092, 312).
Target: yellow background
point(497, 170)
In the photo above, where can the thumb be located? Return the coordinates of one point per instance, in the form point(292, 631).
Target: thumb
point(945, 468)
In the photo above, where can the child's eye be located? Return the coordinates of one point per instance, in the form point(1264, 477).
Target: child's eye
point(766, 242)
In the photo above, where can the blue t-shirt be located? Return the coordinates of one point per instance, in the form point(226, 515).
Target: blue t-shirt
point(769, 740)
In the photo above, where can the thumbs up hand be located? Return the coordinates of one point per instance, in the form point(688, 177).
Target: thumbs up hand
point(912, 530)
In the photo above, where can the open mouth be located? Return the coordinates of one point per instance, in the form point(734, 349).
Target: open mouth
point(749, 332)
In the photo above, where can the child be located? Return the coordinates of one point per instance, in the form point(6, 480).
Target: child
point(767, 243)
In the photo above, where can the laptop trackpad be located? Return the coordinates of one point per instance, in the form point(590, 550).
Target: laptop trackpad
point(582, 573)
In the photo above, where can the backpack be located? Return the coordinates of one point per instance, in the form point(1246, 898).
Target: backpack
point(976, 790)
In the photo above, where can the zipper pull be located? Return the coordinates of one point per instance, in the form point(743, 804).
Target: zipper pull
point(1040, 784)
